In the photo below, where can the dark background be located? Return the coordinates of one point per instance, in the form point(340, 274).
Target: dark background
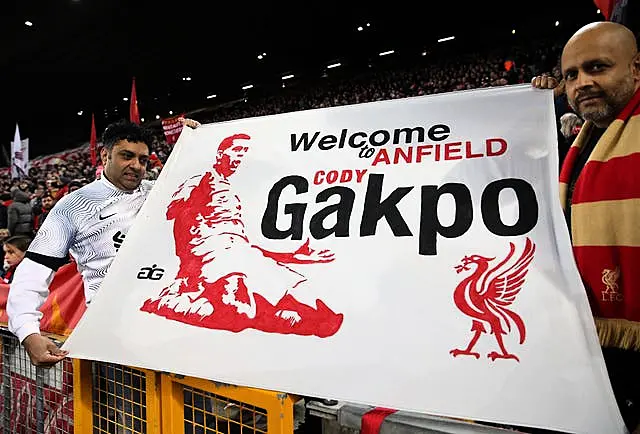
point(81, 55)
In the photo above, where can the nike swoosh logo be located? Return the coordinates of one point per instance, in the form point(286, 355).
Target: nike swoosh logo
point(107, 216)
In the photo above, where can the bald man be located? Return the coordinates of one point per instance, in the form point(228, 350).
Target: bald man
point(601, 71)
point(601, 77)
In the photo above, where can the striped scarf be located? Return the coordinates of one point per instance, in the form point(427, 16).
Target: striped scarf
point(605, 225)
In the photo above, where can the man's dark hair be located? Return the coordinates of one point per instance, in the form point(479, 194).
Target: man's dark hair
point(125, 130)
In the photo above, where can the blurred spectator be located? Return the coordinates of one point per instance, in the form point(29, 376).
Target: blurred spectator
point(4, 216)
point(570, 125)
point(38, 193)
point(74, 185)
point(14, 250)
point(20, 216)
point(40, 212)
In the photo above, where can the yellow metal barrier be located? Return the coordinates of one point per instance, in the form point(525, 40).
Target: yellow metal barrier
point(192, 405)
point(116, 399)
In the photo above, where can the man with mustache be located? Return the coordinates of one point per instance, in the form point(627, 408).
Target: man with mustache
point(91, 224)
point(600, 193)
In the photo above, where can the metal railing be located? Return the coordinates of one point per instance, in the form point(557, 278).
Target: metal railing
point(34, 400)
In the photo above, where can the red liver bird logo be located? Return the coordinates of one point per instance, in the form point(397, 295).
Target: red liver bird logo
point(487, 294)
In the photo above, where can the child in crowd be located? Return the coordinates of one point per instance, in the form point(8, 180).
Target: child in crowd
point(14, 250)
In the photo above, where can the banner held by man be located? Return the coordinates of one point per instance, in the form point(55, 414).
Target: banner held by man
point(408, 254)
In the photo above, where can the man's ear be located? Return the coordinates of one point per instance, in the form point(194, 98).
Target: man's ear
point(104, 156)
point(635, 67)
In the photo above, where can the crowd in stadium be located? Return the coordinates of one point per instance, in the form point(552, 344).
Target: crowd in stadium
point(25, 202)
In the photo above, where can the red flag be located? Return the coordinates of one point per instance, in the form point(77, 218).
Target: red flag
point(93, 141)
point(606, 7)
point(134, 114)
point(63, 308)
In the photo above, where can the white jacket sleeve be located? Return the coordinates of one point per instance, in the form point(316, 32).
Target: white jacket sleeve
point(27, 292)
point(30, 285)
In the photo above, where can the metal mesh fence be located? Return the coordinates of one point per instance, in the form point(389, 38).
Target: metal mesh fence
point(34, 400)
point(119, 399)
point(208, 413)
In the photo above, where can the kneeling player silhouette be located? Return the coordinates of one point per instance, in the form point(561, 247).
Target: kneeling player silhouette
point(224, 281)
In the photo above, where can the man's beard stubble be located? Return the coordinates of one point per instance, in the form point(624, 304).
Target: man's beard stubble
point(613, 103)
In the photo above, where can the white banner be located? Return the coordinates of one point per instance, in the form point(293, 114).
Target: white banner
point(19, 156)
point(410, 254)
point(25, 155)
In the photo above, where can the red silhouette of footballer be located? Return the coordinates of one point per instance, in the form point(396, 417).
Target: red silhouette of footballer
point(226, 282)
